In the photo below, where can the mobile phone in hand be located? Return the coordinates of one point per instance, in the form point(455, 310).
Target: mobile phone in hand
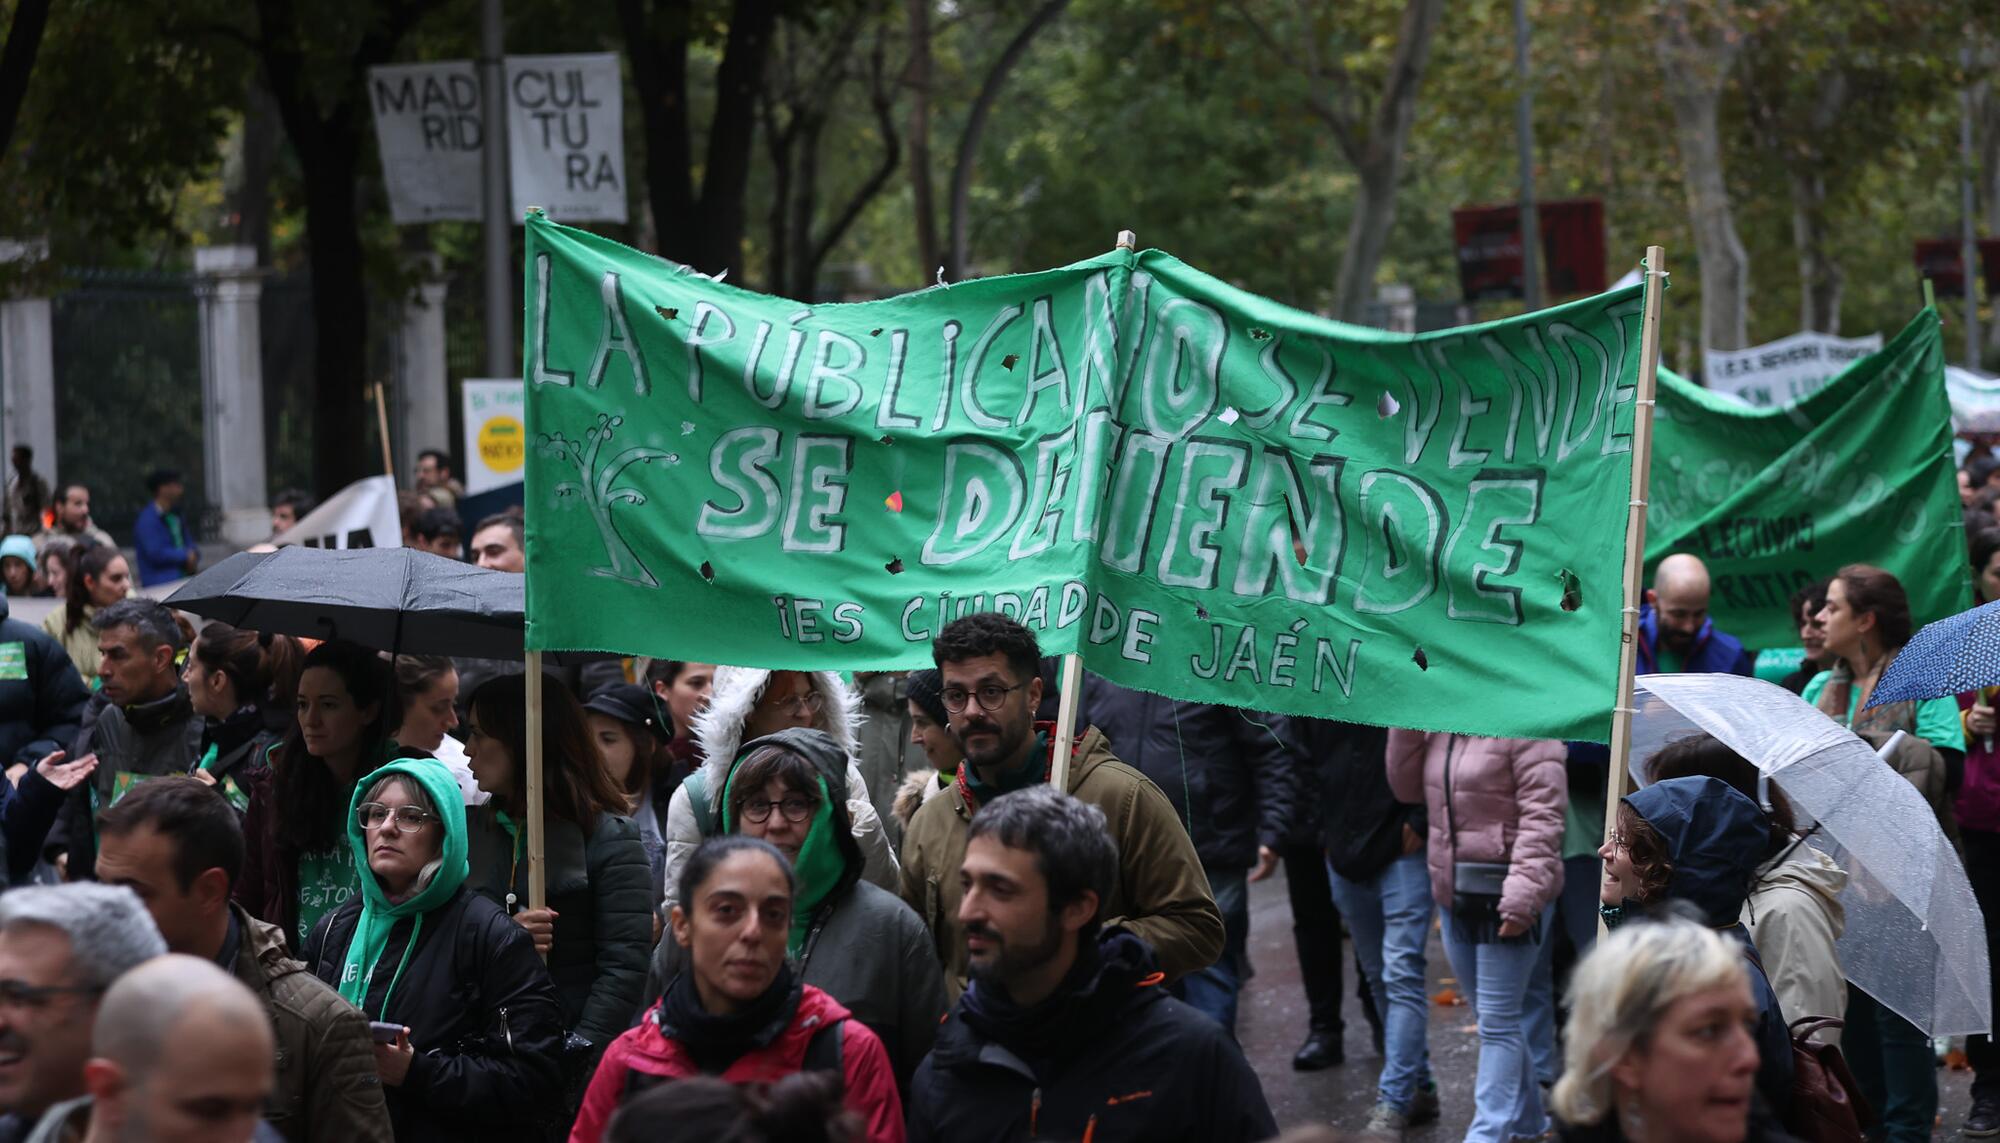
point(384, 1033)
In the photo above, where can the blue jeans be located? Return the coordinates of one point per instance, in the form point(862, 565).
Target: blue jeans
point(1895, 1066)
point(1577, 907)
point(1507, 1099)
point(1213, 990)
point(1389, 918)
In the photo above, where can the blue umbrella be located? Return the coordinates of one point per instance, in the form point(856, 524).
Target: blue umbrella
point(1954, 655)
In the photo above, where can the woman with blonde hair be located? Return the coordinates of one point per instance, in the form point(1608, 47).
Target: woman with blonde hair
point(1659, 1045)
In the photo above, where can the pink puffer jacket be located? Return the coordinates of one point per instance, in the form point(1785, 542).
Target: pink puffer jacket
point(1505, 805)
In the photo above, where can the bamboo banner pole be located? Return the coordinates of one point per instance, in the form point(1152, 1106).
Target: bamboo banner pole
point(538, 874)
point(1618, 782)
point(382, 422)
point(1072, 664)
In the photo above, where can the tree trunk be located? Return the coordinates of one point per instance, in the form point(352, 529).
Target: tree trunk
point(923, 196)
point(1367, 238)
point(327, 140)
point(975, 129)
point(732, 134)
point(1822, 282)
point(659, 51)
point(805, 200)
point(1695, 72)
point(251, 197)
point(1376, 151)
point(17, 63)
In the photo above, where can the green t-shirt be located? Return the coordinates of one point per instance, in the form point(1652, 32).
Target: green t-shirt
point(1667, 662)
point(326, 880)
point(1937, 718)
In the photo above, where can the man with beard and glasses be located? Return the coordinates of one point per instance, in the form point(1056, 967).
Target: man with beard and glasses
point(1065, 1031)
point(60, 948)
point(181, 1054)
point(989, 669)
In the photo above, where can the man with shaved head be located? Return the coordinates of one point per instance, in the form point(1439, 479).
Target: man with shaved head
point(1676, 635)
point(181, 1053)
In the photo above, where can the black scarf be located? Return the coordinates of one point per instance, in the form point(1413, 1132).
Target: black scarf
point(716, 1041)
point(1097, 987)
point(230, 734)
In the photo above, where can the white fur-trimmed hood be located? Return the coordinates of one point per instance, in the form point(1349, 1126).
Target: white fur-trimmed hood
point(718, 729)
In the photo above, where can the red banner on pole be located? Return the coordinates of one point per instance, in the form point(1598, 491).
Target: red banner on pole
point(1938, 259)
point(1489, 249)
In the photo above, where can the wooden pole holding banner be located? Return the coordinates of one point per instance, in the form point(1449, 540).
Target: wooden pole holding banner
point(1618, 782)
point(538, 874)
point(1072, 664)
point(382, 423)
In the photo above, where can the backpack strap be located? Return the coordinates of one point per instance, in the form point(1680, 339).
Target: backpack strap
point(823, 1054)
point(696, 785)
point(823, 1050)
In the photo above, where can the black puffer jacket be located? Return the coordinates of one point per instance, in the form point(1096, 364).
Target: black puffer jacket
point(1110, 1057)
point(602, 891)
point(1233, 778)
point(41, 699)
point(1360, 821)
point(482, 1015)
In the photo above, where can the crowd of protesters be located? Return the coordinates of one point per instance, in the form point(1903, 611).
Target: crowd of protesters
point(260, 887)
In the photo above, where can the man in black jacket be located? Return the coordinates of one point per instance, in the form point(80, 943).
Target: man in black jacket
point(145, 726)
point(1065, 1031)
point(1234, 782)
point(1375, 859)
point(41, 707)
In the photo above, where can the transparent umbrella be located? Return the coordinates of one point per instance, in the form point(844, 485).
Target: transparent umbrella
point(1915, 939)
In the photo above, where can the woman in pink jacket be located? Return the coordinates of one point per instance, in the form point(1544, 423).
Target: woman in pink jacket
point(1496, 827)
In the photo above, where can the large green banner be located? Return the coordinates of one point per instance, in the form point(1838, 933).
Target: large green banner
point(1775, 498)
point(1206, 494)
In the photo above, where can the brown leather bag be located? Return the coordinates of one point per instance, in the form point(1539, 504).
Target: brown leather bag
point(1826, 1104)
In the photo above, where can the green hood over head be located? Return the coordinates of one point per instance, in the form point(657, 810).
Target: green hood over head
point(378, 914)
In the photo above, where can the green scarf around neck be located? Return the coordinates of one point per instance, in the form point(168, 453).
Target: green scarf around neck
point(378, 915)
point(1032, 771)
point(819, 867)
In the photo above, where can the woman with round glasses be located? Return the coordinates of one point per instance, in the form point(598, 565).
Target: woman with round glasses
point(597, 929)
point(747, 703)
point(477, 1023)
point(853, 940)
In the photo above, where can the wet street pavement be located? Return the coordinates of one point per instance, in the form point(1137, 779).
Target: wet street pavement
point(1272, 1022)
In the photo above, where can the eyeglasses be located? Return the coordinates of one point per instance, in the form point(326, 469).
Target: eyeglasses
point(990, 696)
point(795, 807)
point(19, 994)
point(408, 819)
point(808, 703)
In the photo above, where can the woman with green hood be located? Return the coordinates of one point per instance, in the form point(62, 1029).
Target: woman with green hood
point(480, 1027)
point(853, 940)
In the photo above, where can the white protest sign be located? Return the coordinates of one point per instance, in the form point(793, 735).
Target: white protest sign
point(566, 136)
point(496, 432)
point(431, 134)
point(1975, 400)
point(1782, 371)
point(361, 515)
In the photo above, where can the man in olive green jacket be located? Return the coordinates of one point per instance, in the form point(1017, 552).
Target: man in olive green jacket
point(177, 843)
point(991, 685)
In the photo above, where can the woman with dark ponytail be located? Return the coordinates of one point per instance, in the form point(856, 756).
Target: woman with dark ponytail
point(243, 683)
point(97, 577)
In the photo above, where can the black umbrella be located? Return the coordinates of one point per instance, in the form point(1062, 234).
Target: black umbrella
point(392, 599)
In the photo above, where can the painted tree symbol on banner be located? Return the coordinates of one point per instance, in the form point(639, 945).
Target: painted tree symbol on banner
point(598, 488)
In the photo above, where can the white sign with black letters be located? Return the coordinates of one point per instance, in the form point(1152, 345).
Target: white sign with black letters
point(566, 136)
point(431, 134)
